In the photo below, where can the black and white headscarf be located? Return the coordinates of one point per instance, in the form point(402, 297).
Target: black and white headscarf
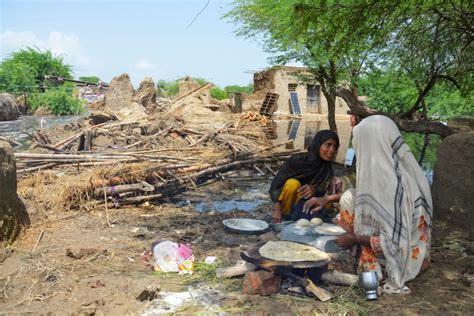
point(392, 193)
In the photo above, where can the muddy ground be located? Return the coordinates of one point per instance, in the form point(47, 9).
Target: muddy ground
point(113, 276)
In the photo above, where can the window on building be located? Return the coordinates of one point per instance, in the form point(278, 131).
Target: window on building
point(312, 96)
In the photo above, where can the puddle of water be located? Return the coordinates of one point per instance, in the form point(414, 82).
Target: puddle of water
point(226, 206)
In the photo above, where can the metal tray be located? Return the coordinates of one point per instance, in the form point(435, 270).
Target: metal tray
point(245, 225)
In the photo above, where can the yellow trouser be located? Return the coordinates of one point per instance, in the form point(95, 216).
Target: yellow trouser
point(289, 195)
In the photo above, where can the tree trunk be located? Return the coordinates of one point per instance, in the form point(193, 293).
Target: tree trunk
point(13, 214)
point(332, 113)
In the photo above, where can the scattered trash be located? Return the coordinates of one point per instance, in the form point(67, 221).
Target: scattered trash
point(170, 302)
point(169, 256)
point(210, 259)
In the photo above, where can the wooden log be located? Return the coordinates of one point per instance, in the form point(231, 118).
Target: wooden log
point(225, 167)
point(48, 147)
point(87, 141)
point(340, 278)
point(118, 189)
point(240, 268)
point(69, 156)
point(62, 144)
point(80, 144)
point(42, 167)
point(11, 141)
point(140, 199)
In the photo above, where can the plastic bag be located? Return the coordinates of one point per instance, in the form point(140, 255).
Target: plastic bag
point(170, 255)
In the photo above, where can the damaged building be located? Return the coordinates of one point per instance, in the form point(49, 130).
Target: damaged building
point(281, 91)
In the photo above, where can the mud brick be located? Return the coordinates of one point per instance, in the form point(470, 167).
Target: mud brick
point(261, 283)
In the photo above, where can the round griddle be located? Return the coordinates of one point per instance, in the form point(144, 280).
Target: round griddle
point(253, 255)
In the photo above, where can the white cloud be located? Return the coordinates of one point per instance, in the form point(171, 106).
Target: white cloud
point(66, 45)
point(144, 64)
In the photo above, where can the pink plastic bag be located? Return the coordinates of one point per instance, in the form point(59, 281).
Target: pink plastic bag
point(170, 255)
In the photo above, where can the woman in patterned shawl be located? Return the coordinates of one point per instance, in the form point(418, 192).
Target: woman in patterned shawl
point(390, 211)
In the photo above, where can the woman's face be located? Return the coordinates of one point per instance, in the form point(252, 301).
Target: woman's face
point(328, 150)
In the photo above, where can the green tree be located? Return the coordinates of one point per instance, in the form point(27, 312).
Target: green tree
point(58, 100)
point(242, 89)
point(307, 32)
point(16, 78)
point(427, 42)
point(39, 63)
point(90, 79)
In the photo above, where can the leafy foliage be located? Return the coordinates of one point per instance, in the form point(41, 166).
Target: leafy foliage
point(392, 91)
point(16, 78)
point(90, 79)
point(25, 70)
point(241, 89)
point(59, 101)
point(171, 88)
point(422, 45)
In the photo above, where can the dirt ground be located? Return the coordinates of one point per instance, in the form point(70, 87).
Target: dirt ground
point(112, 276)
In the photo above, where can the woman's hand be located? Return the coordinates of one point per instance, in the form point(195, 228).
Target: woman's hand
point(346, 240)
point(307, 191)
point(314, 204)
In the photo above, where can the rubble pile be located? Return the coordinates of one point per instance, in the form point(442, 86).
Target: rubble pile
point(128, 153)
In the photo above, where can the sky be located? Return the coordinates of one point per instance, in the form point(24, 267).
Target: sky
point(144, 38)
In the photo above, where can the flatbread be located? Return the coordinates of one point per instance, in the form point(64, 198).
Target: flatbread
point(329, 229)
point(291, 252)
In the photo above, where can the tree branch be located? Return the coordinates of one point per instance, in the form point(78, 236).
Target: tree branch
point(451, 79)
point(417, 126)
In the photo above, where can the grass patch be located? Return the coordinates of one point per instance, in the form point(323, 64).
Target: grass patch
point(203, 273)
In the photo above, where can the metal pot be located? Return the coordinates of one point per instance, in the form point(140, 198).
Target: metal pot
point(369, 282)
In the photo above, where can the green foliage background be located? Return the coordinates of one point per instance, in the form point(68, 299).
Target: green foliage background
point(90, 79)
point(24, 72)
point(171, 88)
point(60, 101)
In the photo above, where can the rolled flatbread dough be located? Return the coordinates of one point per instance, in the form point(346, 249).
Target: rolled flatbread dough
point(291, 251)
point(303, 222)
point(316, 221)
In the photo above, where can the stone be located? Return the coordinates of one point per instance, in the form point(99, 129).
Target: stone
point(261, 282)
point(453, 183)
point(120, 93)
point(146, 94)
point(13, 214)
point(9, 110)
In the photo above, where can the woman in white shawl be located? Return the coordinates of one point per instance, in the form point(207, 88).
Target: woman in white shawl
point(390, 211)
